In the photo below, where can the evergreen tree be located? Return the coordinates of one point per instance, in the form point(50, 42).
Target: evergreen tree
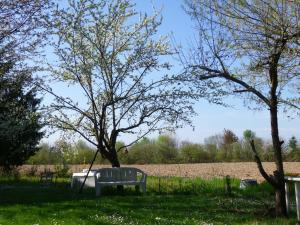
point(20, 126)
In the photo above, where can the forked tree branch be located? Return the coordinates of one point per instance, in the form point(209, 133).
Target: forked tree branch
point(261, 169)
point(219, 74)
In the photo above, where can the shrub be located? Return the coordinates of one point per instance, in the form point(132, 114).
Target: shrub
point(62, 170)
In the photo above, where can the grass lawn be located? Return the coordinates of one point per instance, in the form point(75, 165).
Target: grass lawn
point(168, 201)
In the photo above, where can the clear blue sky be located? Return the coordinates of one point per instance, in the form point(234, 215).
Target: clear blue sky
point(212, 119)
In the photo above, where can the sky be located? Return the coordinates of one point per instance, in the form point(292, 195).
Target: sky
point(211, 119)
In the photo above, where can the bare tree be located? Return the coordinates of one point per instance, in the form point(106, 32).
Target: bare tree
point(250, 49)
point(113, 56)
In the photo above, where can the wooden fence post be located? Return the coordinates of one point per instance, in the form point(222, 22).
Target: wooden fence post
point(159, 184)
point(227, 183)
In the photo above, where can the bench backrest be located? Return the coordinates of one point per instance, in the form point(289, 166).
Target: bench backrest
point(128, 174)
point(118, 174)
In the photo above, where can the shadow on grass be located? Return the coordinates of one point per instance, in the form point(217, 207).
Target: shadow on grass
point(32, 191)
point(28, 202)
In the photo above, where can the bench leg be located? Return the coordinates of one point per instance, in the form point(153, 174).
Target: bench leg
point(72, 183)
point(287, 196)
point(143, 187)
point(98, 190)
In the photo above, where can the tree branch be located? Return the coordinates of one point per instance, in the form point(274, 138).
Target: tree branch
point(227, 76)
point(261, 169)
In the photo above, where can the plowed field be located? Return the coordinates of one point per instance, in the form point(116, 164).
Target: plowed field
point(240, 170)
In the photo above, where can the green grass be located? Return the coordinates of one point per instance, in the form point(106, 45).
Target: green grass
point(168, 201)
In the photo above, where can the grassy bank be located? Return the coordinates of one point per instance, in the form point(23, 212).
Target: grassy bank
point(168, 201)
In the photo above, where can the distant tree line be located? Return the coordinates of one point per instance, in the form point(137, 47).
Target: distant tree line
point(224, 147)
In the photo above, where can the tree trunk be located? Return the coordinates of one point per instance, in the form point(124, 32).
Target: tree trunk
point(114, 160)
point(280, 205)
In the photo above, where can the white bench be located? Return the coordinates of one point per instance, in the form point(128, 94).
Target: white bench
point(120, 176)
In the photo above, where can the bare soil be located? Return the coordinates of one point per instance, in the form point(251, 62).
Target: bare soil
point(241, 170)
